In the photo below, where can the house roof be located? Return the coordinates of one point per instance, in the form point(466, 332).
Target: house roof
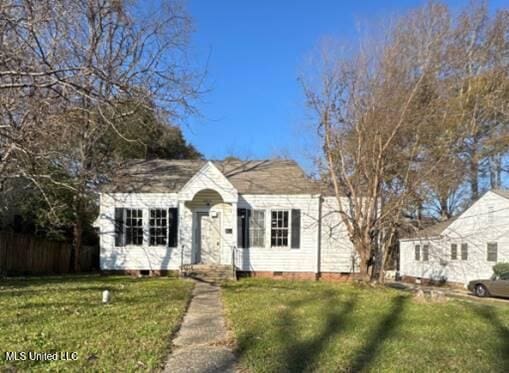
point(437, 229)
point(274, 176)
point(431, 231)
point(502, 192)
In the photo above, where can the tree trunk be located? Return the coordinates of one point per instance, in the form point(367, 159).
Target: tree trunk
point(77, 232)
point(474, 177)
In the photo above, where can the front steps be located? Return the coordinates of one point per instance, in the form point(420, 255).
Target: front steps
point(210, 273)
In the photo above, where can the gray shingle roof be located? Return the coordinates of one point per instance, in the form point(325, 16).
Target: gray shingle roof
point(248, 177)
point(431, 231)
point(502, 192)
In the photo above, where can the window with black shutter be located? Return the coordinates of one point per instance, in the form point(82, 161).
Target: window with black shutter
point(295, 229)
point(279, 228)
point(173, 221)
point(119, 227)
point(158, 227)
point(133, 227)
point(243, 228)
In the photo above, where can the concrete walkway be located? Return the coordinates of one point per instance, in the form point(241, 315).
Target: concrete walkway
point(201, 344)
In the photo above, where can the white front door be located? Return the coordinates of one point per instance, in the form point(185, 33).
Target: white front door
point(209, 238)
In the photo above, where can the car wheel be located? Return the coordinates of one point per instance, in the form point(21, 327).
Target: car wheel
point(481, 291)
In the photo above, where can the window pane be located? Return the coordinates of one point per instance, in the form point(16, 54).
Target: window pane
point(454, 251)
point(134, 227)
point(492, 251)
point(257, 228)
point(158, 227)
point(464, 251)
point(279, 228)
point(417, 252)
point(425, 252)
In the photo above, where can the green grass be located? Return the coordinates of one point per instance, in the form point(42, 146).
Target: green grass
point(308, 326)
point(66, 314)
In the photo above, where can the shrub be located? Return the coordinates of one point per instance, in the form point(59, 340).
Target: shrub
point(500, 268)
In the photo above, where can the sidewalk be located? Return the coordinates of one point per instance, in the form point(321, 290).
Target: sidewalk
point(201, 344)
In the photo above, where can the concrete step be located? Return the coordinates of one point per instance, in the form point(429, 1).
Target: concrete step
point(212, 273)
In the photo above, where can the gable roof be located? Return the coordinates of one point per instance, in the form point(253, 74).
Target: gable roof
point(275, 176)
point(431, 231)
point(437, 229)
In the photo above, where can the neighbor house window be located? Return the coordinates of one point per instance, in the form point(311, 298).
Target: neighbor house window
point(256, 227)
point(492, 251)
point(417, 252)
point(425, 253)
point(464, 251)
point(133, 227)
point(158, 227)
point(454, 251)
point(279, 228)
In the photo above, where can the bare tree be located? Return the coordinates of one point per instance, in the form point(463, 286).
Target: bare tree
point(390, 120)
point(67, 68)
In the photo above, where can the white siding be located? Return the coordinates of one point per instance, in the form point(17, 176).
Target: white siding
point(337, 251)
point(303, 259)
point(474, 228)
point(134, 257)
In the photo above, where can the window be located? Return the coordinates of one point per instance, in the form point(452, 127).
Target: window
point(464, 251)
point(454, 251)
point(133, 227)
point(492, 250)
point(158, 227)
point(417, 252)
point(425, 253)
point(279, 229)
point(256, 226)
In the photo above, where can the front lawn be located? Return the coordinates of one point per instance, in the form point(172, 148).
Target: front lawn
point(284, 326)
point(57, 314)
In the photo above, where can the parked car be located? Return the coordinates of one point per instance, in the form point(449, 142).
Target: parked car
point(497, 286)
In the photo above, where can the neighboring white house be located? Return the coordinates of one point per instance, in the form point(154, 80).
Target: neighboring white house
point(463, 248)
point(265, 216)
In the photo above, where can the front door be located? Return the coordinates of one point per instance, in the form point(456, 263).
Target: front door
point(208, 238)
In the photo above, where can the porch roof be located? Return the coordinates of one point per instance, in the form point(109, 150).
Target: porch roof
point(273, 176)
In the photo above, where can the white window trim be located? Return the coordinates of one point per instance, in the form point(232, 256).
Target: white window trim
point(148, 227)
point(288, 246)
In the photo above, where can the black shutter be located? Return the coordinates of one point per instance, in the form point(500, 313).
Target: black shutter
point(119, 227)
point(173, 225)
point(243, 228)
point(295, 229)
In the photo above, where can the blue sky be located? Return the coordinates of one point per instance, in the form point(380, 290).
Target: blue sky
point(255, 50)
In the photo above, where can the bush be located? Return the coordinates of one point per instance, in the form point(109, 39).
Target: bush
point(500, 268)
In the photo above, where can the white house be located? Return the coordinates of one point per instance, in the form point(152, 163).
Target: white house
point(463, 248)
point(265, 217)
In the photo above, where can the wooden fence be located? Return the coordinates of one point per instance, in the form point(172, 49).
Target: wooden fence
point(25, 254)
